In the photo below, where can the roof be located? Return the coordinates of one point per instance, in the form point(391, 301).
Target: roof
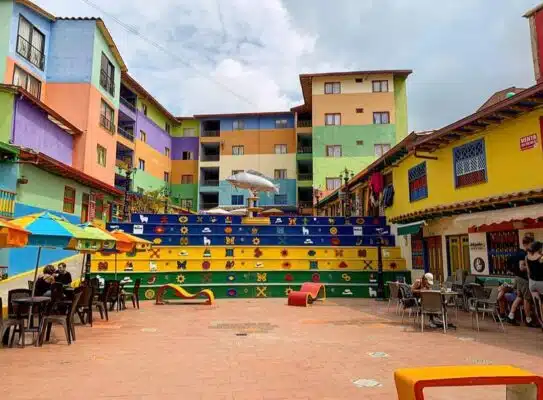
point(306, 81)
point(54, 116)
point(532, 11)
point(107, 36)
point(481, 204)
point(499, 96)
point(512, 107)
point(126, 78)
point(253, 114)
point(47, 163)
point(37, 9)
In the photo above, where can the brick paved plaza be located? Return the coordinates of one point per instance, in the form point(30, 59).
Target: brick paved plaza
point(254, 349)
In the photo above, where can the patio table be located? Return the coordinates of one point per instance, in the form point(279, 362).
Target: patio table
point(39, 301)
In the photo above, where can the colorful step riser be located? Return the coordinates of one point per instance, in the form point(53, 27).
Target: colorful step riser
point(247, 278)
point(218, 264)
point(270, 240)
point(236, 230)
point(262, 253)
point(230, 219)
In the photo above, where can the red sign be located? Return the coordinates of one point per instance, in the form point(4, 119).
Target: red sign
point(528, 142)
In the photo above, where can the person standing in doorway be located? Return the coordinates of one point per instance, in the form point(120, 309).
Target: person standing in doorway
point(534, 261)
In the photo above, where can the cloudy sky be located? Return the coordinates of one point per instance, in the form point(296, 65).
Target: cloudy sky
point(207, 56)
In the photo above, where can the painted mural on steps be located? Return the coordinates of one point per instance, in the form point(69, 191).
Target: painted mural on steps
point(245, 260)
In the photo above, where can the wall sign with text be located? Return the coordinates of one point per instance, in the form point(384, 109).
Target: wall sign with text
point(528, 142)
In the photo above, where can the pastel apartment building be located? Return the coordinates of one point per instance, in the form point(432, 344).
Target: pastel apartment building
point(69, 107)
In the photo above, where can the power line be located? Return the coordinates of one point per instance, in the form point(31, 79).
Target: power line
point(158, 46)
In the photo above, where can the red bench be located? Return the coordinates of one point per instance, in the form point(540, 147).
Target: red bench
point(308, 293)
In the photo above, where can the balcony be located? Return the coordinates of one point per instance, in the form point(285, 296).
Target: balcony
point(210, 133)
point(305, 204)
point(304, 123)
point(7, 203)
point(126, 134)
point(107, 124)
point(128, 104)
point(305, 177)
point(210, 182)
point(214, 157)
point(32, 54)
point(208, 206)
point(107, 82)
point(305, 149)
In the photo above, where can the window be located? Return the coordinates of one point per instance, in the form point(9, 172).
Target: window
point(333, 151)
point(280, 149)
point(332, 88)
point(381, 149)
point(30, 43)
point(141, 164)
point(359, 110)
point(166, 177)
point(144, 108)
point(238, 150)
point(358, 80)
point(280, 174)
point(167, 127)
point(381, 117)
point(236, 171)
point(332, 119)
point(189, 132)
point(107, 116)
point(99, 209)
point(237, 200)
point(280, 199)
point(186, 179)
point(418, 184)
point(107, 75)
point(27, 82)
point(101, 154)
point(186, 203)
point(143, 136)
point(69, 200)
point(379, 86)
point(360, 143)
point(238, 125)
point(188, 155)
point(470, 164)
point(281, 124)
point(333, 183)
point(167, 151)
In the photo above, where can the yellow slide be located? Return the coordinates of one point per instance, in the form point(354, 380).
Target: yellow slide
point(183, 294)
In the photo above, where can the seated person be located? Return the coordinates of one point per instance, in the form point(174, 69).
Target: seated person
point(44, 281)
point(424, 283)
point(62, 275)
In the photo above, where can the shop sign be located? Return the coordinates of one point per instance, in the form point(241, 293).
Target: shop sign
point(528, 142)
point(478, 254)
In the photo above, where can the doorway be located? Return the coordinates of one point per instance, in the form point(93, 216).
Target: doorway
point(434, 257)
point(458, 254)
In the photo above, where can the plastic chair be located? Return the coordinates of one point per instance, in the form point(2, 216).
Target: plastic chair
point(431, 303)
point(84, 307)
point(394, 290)
point(18, 325)
point(134, 296)
point(67, 321)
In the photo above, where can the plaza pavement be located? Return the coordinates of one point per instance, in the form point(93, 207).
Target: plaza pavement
point(256, 349)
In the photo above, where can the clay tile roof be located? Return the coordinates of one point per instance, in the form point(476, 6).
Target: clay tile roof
point(499, 96)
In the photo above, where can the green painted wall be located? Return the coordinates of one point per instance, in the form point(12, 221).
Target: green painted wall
point(354, 157)
point(6, 11)
point(6, 116)
point(177, 130)
point(146, 181)
point(400, 99)
point(100, 46)
point(185, 191)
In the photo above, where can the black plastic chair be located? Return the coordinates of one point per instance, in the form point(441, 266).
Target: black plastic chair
point(134, 296)
point(18, 325)
point(67, 321)
point(84, 308)
point(100, 300)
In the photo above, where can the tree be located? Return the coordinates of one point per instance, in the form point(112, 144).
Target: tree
point(151, 202)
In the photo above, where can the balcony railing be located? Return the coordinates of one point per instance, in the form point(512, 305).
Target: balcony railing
point(305, 149)
point(106, 123)
point(214, 157)
point(7, 203)
point(126, 134)
point(305, 177)
point(208, 206)
point(31, 53)
point(128, 104)
point(210, 182)
point(107, 82)
point(305, 204)
point(209, 133)
point(304, 123)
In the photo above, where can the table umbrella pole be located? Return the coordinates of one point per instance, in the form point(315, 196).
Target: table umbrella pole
point(115, 265)
point(34, 284)
point(83, 267)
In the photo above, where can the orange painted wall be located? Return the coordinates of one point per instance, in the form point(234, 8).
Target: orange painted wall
point(8, 76)
point(346, 105)
point(258, 141)
point(155, 163)
point(80, 104)
point(184, 167)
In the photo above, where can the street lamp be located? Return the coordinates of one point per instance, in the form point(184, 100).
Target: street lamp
point(346, 175)
point(127, 184)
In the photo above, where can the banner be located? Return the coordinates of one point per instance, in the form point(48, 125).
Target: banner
point(478, 254)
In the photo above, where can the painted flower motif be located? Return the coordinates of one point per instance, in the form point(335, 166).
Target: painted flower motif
point(393, 265)
point(362, 253)
point(157, 240)
point(258, 253)
point(288, 290)
point(232, 292)
point(102, 266)
point(256, 241)
point(184, 241)
point(286, 265)
point(180, 278)
point(335, 241)
point(333, 230)
point(184, 230)
point(343, 264)
point(245, 290)
point(231, 278)
point(284, 253)
point(206, 265)
point(346, 277)
point(159, 229)
point(183, 219)
point(206, 278)
point(289, 278)
point(149, 294)
point(360, 221)
point(311, 253)
point(316, 278)
point(228, 230)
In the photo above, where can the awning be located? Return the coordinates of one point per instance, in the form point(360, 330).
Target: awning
point(411, 228)
point(518, 213)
